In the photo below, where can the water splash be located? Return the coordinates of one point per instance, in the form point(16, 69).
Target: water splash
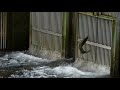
point(76, 70)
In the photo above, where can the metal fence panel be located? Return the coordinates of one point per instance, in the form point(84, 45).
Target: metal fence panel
point(47, 30)
point(99, 32)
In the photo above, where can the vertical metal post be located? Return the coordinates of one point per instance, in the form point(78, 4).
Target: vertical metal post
point(30, 30)
point(74, 46)
point(65, 28)
point(115, 56)
point(1, 29)
point(76, 38)
point(114, 64)
point(69, 35)
point(5, 28)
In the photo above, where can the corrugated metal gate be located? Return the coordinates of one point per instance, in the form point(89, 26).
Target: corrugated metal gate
point(46, 31)
point(99, 32)
point(3, 30)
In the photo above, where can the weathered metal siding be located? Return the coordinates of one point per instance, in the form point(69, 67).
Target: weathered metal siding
point(99, 32)
point(3, 30)
point(46, 32)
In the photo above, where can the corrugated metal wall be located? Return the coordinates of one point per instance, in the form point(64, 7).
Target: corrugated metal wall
point(46, 30)
point(3, 30)
point(99, 32)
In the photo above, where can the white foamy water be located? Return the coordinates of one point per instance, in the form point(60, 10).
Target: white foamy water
point(76, 70)
point(57, 72)
point(18, 58)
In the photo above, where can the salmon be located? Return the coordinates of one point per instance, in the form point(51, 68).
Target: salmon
point(82, 44)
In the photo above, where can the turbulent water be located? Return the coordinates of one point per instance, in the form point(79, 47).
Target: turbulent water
point(21, 65)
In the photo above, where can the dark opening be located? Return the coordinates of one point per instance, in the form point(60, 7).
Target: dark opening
point(18, 25)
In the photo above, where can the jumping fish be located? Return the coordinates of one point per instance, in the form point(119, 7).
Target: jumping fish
point(82, 44)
